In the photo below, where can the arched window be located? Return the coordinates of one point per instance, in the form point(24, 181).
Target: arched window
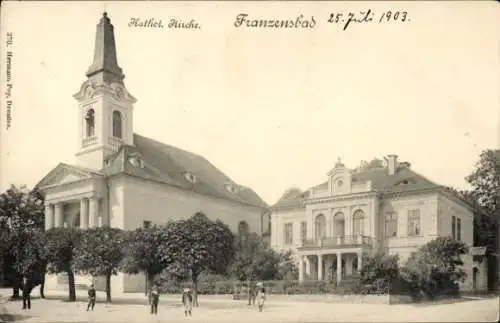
point(339, 224)
point(90, 123)
point(320, 226)
point(358, 222)
point(117, 124)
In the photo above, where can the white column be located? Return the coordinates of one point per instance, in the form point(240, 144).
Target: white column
point(320, 267)
point(301, 268)
point(49, 216)
point(59, 219)
point(360, 259)
point(339, 268)
point(93, 211)
point(308, 265)
point(84, 213)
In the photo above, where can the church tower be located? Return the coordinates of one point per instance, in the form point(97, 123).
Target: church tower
point(105, 117)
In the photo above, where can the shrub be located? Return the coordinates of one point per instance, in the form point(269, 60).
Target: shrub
point(434, 269)
point(378, 272)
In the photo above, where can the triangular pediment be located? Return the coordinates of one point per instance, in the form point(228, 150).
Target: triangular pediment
point(64, 174)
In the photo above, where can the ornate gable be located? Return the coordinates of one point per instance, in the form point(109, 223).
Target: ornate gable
point(65, 174)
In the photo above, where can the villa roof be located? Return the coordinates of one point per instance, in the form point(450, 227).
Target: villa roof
point(403, 180)
point(173, 166)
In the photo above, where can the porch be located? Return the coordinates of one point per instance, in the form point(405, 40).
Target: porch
point(332, 259)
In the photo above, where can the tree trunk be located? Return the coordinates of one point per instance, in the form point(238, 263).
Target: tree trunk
point(149, 284)
point(42, 286)
point(71, 285)
point(195, 290)
point(108, 288)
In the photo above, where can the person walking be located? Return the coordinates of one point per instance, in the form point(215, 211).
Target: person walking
point(26, 293)
point(187, 301)
point(92, 294)
point(251, 293)
point(155, 298)
point(261, 295)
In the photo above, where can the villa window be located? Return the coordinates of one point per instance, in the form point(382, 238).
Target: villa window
point(90, 123)
point(391, 224)
point(358, 221)
point(303, 230)
point(320, 226)
point(459, 229)
point(339, 224)
point(288, 233)
point(414, 223)
point(117, 124)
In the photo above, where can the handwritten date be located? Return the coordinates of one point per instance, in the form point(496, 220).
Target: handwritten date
point(368, 16)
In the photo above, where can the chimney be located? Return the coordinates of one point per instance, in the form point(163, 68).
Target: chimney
point(392, 164)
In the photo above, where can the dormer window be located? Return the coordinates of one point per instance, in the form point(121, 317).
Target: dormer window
point(231, 188)
point(190, 177)
point(136, 161)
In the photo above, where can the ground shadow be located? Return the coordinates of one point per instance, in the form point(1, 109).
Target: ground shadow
point(448, 301)
point(13, 317)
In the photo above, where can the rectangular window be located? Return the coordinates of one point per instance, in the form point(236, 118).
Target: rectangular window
point(414, 222)
point(459, 229)
point(391, 224)
point(288, 233)
point(303, 230)
point(453, 227)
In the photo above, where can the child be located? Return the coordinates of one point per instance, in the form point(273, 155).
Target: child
point(187, 301)
point(91, 293)
point(155, 297)
point(261, 295)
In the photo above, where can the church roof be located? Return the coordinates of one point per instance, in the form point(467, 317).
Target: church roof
point(403, 180)
point(152, 160)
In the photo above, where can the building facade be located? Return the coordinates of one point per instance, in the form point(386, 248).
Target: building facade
point(125, 180)
point(388, 208)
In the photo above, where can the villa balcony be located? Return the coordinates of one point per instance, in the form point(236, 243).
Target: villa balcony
point(338, 242)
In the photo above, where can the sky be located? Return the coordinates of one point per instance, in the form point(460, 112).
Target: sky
point(271, 108)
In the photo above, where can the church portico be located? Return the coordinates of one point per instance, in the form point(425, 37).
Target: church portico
point(82, 213)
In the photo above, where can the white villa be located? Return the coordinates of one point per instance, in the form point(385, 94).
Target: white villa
point(388, 208)
point(125, 180)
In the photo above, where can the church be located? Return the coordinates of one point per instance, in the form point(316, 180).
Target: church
point(124, 180)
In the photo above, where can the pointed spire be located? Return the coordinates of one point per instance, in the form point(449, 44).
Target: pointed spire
point(105, 67)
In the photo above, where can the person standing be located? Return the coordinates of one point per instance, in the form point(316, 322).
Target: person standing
point(92, 295)
point(187, 301)
point(155, 298)
point(261, 296)
point(26, 293)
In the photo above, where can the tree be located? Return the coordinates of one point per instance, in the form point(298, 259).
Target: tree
point(21, 212)
point(372, 164)
point(60, 244)
point(435, 267)
point(147, 250)
point(287, 268)
point(253, 261)
point(31, 259)
point(99, 253)
point(485, 183)
point(199, 244)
